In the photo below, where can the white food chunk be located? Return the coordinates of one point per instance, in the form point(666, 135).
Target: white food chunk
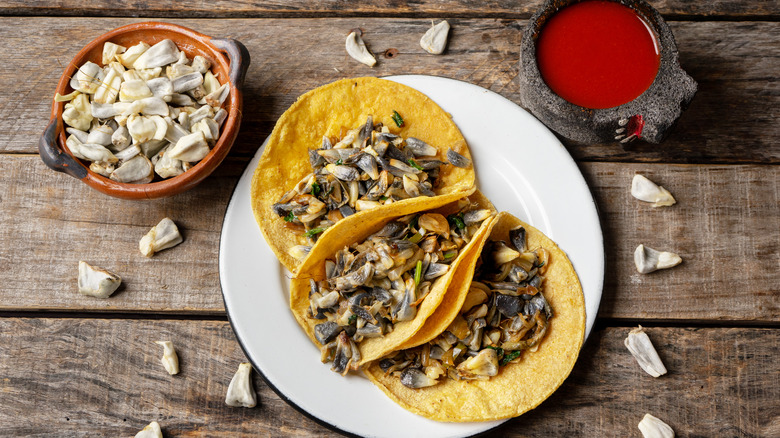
point(78, 113)
point(109, 88)
point(152, 430)
point(134, 90)
point(120, 138)
point(435, 39)
point(97, 282)
point(652, 427)
point(162, 236)
point(240, 391)
point(130, 55)
point(190, 148)
point(110, 50)
point(356, 48)
point(88, 78)
point(137, 170)
point(170, 359)
point(92, 152)
point(648, 260)
point(145, 128)
point(646, 190)
point(162, 53)
point(201, 64)
point(638, 343)
point(166, 166)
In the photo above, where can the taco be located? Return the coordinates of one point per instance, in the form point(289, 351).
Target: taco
point(515, 336)
point(351, 147)
point(362, 294)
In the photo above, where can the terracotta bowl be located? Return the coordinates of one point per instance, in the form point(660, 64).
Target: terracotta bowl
point(229, 58)
point(649, 117)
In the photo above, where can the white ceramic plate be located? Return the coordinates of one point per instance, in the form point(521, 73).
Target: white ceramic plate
point(520, 166)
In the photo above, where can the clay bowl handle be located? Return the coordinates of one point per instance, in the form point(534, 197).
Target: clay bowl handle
point(239, 59)
point(54, 157)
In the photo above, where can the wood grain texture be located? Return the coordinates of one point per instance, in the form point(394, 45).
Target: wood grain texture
point(337, 8)
point(52, 221)
point(724, 227)
point(103, 378)
point(731, 120)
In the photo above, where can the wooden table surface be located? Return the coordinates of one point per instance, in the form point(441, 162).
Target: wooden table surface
point(77, 366)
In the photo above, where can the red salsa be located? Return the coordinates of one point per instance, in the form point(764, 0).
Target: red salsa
point(597, 54)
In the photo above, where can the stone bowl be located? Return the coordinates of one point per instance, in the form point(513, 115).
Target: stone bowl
point(649, 116)
point(229, 58)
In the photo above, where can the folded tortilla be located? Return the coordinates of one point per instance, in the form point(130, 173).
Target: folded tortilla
point(328, 111)
point(518, 387)
point(314, 268)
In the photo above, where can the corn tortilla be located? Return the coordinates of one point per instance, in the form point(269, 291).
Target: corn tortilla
point(314, 268)
point(344, 105)
point(518, 387)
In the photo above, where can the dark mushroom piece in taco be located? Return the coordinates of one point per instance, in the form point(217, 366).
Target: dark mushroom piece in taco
point(514, 338)
point(347, 149)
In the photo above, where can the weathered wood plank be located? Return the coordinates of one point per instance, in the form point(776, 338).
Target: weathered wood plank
point(731, 120)
point(725, 227)
point(726, 220)
point(103, 378)
point(335, 8)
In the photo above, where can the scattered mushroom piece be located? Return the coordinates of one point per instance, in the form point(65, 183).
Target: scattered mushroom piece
point(170, 359)
point(648, 191)
point(435, 39)
point(162, 236)
point(648, 260)
point(240, 391)
point(638, 343)
point(152, 430)
point(652, 427)
point(356, 48)
point(97, 282)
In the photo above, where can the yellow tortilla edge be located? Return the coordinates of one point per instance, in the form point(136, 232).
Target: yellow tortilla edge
point(285, 160)
point(519, 387)
point(314, 268)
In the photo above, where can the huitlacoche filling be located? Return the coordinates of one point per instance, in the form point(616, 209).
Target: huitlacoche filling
point(504, 314)
point(366, 167)
point(372, 285)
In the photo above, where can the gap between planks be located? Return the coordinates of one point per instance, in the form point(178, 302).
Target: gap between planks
point(601, 323)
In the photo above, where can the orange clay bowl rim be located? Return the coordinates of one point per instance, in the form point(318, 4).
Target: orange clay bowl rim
point(192, 43)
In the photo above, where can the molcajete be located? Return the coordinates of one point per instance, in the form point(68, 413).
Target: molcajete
point(649, 116)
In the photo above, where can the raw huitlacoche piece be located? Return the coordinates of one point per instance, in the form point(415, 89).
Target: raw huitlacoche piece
point(435, 39)
point(142, 100)
point(652, 427)
point(648, 260)
point(240, 391)
point(97, 282)
point(638, 343)
point(648, 191)
point(162, 236)
point(356, 48)
point(170, 359)
point(152, 430)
